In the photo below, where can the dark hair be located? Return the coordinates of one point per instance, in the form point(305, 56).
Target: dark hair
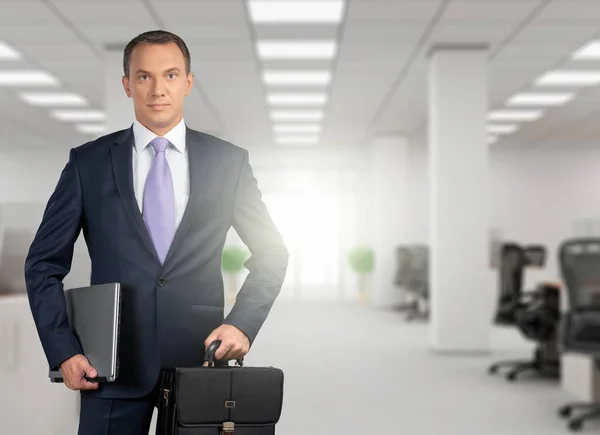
point(155, 37)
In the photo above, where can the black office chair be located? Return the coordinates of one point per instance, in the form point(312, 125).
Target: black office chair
point(535, 313)
point(402, 277)
point(538, 320)
point(535, 255)
point(412, 277)
point(510, 273)
point(580, 332)
point(419, 282)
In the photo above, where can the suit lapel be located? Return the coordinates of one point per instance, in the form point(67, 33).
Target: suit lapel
point(121, 154)
point(198, 164)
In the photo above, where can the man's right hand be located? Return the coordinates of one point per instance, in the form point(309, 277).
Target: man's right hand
point(74, 371)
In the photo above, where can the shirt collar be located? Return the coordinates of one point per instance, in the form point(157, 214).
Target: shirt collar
point(143, 136)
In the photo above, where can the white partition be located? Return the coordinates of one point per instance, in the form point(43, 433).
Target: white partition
point(29, 403)
point(18, 225)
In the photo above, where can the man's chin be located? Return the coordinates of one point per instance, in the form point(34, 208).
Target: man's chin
point(160, 121)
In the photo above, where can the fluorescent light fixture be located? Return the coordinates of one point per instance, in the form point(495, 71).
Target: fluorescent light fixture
point(540, 99)
point(502, 128)
point(27, 78)
point(515, 115)
point(78, 115)
point(297, 78)
point(296, 11)
point(297, 140)
point(53, 99)
point(90, 128)
point(296, 49)
point(297, 128)
point(8, 53)
point(569, 78)
point(296, 115)
point(590, 51)
point(300, 99)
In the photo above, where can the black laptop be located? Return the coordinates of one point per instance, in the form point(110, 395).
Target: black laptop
point(94, 313)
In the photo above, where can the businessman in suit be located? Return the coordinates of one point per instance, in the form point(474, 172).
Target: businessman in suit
point(154, 203)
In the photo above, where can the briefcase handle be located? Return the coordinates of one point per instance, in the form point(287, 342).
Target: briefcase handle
point(209, 355)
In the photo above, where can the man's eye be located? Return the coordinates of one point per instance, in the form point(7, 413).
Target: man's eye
point(173, 75)
point(143, 77)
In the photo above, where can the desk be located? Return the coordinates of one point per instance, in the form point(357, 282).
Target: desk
point(580, 378)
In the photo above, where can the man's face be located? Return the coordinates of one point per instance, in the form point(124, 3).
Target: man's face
point(158, 84)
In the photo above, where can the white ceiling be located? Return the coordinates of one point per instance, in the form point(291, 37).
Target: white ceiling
point(379, 74)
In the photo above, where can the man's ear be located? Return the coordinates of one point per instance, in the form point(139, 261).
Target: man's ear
point(125, 81)
point(190, 80)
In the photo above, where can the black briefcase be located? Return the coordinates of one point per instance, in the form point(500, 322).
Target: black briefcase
point(220, 399)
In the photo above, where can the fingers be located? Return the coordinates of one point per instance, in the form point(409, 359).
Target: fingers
point(212, 337)
point(80, 383)
point(90, 371)
point(233, 343)
point(75, 376)
point(87, 385)
point(232, 350)
point(222, 350)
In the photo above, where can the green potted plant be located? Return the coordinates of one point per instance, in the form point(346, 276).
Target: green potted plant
point(361, 260)
point(232, 264)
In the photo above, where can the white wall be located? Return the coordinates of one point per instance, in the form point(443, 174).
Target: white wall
point(29, 179)
point(327, 158)
point(30, 176)
point(418, 196)
point(29, 403)
point(26, 183)
point(538, 194)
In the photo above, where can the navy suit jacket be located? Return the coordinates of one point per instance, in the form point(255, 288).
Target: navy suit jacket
point(168, 309)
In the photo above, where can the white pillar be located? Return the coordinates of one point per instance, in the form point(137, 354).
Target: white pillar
point(461, 282)
point(389, 215)
point(118, 107)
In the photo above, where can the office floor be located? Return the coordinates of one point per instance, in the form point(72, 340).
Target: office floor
point(352, 370)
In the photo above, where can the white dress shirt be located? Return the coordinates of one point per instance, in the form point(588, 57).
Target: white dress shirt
point(177, 157)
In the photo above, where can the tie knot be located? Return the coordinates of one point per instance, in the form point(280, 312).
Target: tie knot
point(159, 144)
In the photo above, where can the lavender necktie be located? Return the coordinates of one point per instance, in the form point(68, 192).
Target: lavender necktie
point(159, 200)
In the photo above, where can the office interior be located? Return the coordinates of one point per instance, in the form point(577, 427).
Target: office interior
point(433, 166)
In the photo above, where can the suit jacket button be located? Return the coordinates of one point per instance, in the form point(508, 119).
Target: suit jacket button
point(162, 282)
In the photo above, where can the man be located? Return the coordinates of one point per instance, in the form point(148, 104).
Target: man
point(155, 202)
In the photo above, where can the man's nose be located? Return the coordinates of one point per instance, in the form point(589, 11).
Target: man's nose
point(159, 87)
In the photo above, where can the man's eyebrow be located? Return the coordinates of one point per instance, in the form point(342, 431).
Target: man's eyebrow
point(141, 71)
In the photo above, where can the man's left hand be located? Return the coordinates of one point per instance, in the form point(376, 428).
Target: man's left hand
point(234, 343)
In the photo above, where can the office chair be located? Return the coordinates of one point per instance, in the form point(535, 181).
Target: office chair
point(402, 277)
point(418, 282)
point(535, 313)
point(538, 320)
point(510, 283)
point(412, 276)
point(535, 255)
point(580, 333)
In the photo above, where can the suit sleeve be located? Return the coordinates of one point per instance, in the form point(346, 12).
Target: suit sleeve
point(49, 261)
point(268, 261)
